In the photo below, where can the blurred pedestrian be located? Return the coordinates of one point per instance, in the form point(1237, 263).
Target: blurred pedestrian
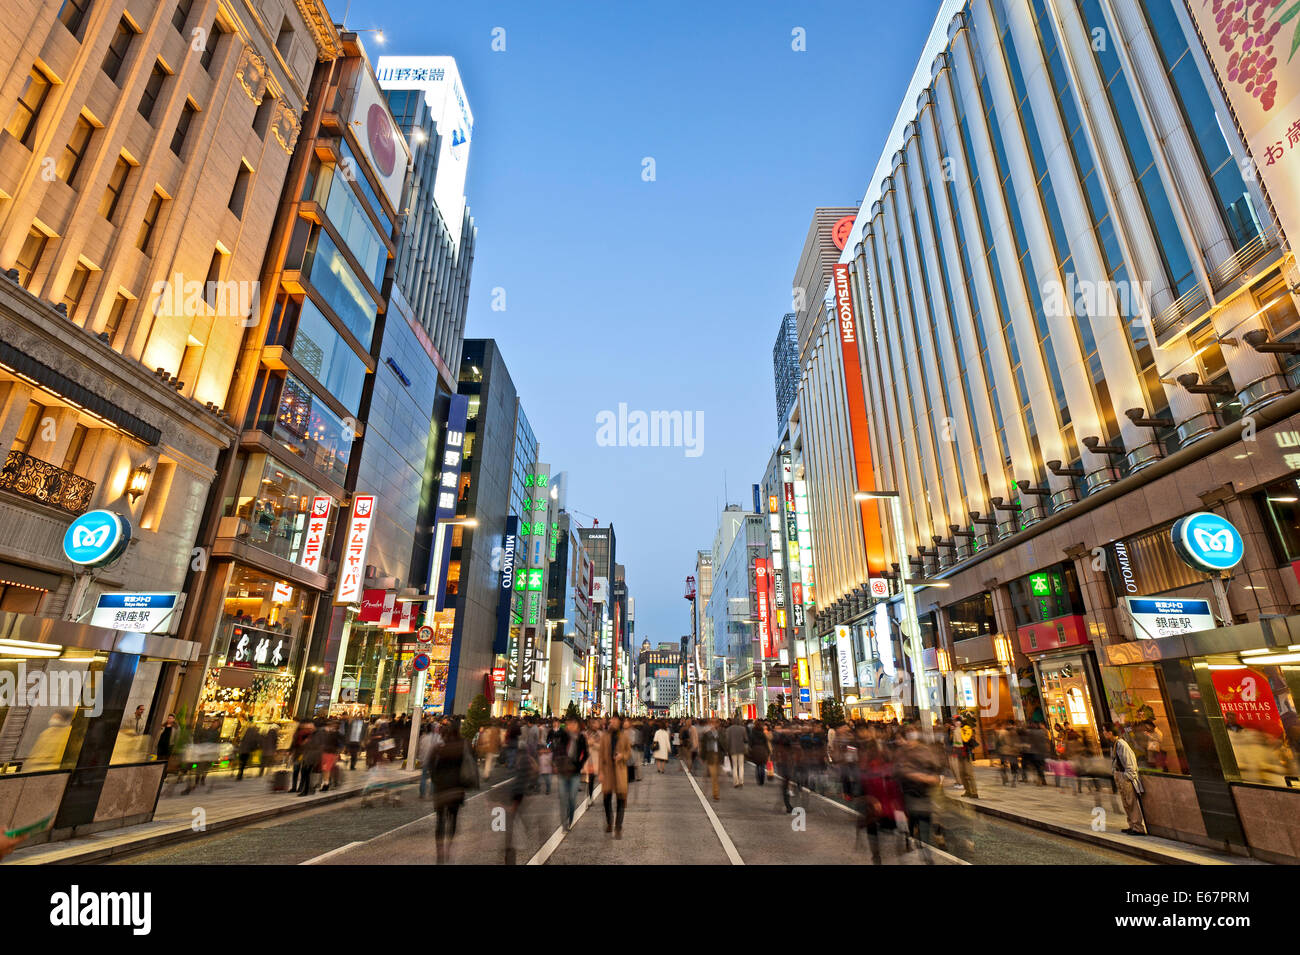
point(737, 743)
point(570, 752)
point(249, 744)
point(663, 744)
point(453, 766)
point(615, 753)
point(711, 748)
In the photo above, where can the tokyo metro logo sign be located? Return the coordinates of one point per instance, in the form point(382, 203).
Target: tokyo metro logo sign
point(1208, 542)
point(96, 538)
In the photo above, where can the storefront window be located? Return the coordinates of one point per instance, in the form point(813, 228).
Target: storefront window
point(1137, 704)
point(1067, 702)
point(972, 617)
point(1280, 503)
point(43, 717)
point(255, 652)
point(308, 428)
point(1258, 703)
point(273, 504)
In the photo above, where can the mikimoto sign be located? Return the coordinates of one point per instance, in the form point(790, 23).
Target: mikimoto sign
point(96, 538)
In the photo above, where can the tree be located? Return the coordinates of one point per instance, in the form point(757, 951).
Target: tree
point(480, 713)
point(571, 713)
point(832, 711)
point(774, 711)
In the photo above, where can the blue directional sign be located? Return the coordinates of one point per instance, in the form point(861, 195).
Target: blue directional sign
point(96, 538)
point(1208, 542)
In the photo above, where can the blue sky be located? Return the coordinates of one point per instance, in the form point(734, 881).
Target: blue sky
point(664, 295)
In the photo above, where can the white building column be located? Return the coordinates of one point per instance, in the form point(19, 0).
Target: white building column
point(1114, 348)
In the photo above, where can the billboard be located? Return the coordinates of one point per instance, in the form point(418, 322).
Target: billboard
point(844, 653)
point(314, 542)
point(439, 78)
point(352, 566)
point(856, 402)
point(382, 143)
point(1257, 57)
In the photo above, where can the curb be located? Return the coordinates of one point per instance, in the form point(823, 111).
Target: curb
point(182, 832)
point(1149, 853)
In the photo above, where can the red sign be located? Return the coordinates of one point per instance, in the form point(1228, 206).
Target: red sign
point(761, 587)
point(1246, 699)
point(857, 408)
point(841, 231)
point(373, 605)
point(317, 522)
point(352, 570)
point(1061, 632)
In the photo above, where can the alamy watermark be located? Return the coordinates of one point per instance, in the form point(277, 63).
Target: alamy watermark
point(651, 429)
point(65, 689)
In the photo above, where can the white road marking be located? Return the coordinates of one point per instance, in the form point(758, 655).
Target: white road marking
point(553, 843)
point(405, 825)
point(332, 852)
point(853, 812)
point(721, 833)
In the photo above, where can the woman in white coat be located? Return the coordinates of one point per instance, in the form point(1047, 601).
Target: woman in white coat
point(663, 747)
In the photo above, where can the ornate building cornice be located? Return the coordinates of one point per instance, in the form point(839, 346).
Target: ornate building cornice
point(329, 46)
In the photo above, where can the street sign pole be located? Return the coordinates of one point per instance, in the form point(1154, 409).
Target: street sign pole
point(424, 636)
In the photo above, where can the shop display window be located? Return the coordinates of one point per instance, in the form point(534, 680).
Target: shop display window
point(273, 504)
point(1137, 704)
point(1257, 701)
point(1280, 504)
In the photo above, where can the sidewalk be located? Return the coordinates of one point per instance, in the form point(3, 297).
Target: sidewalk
point(178, 817)
point(1068, 813)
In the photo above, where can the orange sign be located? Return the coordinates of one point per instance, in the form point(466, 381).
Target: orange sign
point(840, 231)
point(857, 407)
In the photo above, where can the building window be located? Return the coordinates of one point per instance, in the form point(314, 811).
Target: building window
point(213, 281)
point(72, 13)
point(29, 256)
point(32, 418)
point(116, 186)
point(76, 289)
point(151, 214)
point(285, 38)
point(188, 112)
point(117, 48)
point(210, 48)
point(22, 124)
point(115, 316)
point(75, 151)
point(74, 448)
point(181, 15)
point(262, 118)
point(149, 98)
point(239, 192)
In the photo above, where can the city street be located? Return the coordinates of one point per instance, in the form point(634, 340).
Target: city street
point(666, 823)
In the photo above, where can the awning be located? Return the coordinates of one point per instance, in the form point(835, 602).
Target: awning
point(56, 632)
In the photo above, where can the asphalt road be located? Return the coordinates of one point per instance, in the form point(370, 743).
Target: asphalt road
point(668, 821)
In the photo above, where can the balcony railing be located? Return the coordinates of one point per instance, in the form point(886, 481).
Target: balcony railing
point(41, 481)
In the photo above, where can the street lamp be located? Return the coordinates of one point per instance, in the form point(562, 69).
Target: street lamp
point(913, 635)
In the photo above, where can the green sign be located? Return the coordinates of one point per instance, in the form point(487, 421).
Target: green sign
point(1038, 585)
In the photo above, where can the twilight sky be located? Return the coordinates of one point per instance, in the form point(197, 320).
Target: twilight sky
point(664, 295)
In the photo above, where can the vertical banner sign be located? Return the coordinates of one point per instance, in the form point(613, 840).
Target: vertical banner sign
point(857, 409)
point(1255, 50)
point(844, 650)
point(352, 569)
point(317, 523)
point(448, 491)
point(509, 548)
point(761, 587)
